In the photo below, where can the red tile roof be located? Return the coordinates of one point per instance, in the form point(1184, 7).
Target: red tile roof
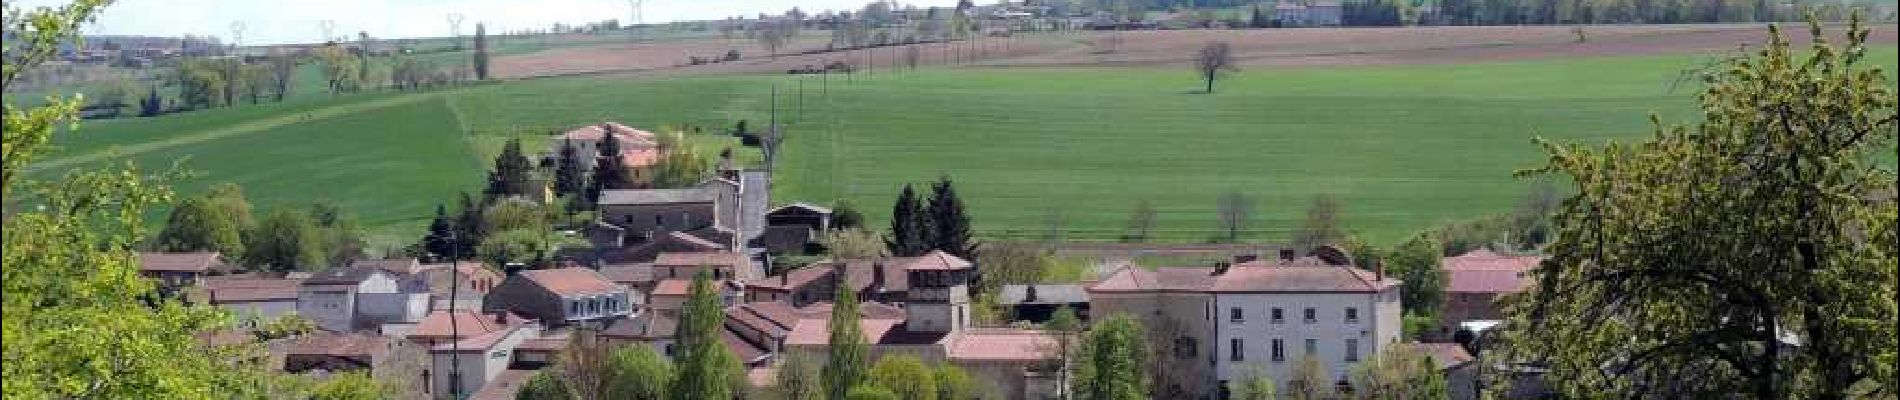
point(504, 386)
point(593, 132)
point(399, 266)
point(1446, 355)
point(1483, 271)
point(702, 259)
point(467, 324)
point(746, 351)
point(477, 343)
point(572, 281)
point(817, 332)
point(673, 287)
point(1001, 345)
point(346, 344)
point(935, 260)
point(1164, 279)
point(179, 262)
point(242, 290)
point(629, 274)
point(792, 280)
point(1261, 277)
point(647, 325)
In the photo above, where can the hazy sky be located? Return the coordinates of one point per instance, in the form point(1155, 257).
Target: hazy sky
point(288, 21)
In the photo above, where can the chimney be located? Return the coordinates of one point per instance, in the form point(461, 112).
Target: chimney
point(1221, 267)
point(877, 276)
point(1287, 254)
point(1378, 270)
point(1029, 293)
point(785, 279)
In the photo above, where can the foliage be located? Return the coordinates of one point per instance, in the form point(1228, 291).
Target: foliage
point(682, 165)
point(637, 372)
point(341, 70)
point(949, 225)
point(284, 326)
point(846, 216)
point(610, 172)
point(1067, 327)
point(702, 356)
point(849, 353)
point(582, 365)
point(1322, 226)
point(544, 385)
point(1141, 222)
point(1530, 221)
point(910, 226)
point(480, 59)
point(1253, 383)
point(1110, 361)
point(1681, 263)
point(508, 215)
point(75, 306)
point(471, 228)
point(854, 243)
point(1309, 380)
point(1212, 61)
point(906, 376)
point(1418, 264)
point(1400, 372)
point(1236, 212)
point(196, 224)
point(797, 377)
point(286, 241)
point(870, 392)
point(512, 173)
point(337, 233)
point(439, 242)
point(349, 386)
point(570, 174)
point(953, 383)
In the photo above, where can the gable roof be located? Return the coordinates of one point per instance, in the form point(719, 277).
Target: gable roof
point(702, 258)
point(593, 132)
point(628, 273)
point(647, 325)
point(350, 275)
point(1163, 279)
point(799, 208)
point(571, 281)
point(935, 260)
point(180, 262)
point(341, 344)
point(1045, 294)
point(655, 196)
point(792, 280)
point(1299, 277)
point(860, 273)
point(398, 266)
point(1001, 345)
point(243, 290)
point(466, 324)
point(1445, 355)
point(1484, 271)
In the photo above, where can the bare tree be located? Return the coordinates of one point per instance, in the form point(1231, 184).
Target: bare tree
point(1235, 212)
point(1141, 222)
point(1322, 224)
point(911, 55)
point(1215, 58)
point(773, 37)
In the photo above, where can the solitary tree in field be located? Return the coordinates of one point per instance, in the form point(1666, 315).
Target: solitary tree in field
point(1141, 222)
point(1751, 252)
point(1215, 59)
point(481, 53)
point(1236, 210)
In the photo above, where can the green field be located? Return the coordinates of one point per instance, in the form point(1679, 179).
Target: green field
point(1404, 147)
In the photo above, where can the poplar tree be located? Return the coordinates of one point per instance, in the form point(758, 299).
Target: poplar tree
point(481, 52)
point(849, 354)
point(702, 354)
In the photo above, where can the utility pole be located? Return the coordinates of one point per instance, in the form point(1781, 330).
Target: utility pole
point(800, 114)
point(237, 34)
point(455, 333)
point(329, 30)
point(455, 29)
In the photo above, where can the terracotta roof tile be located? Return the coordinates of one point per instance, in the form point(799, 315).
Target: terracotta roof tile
point(1134, 279)
point(673, 287)
point(1483, 271)
point(629, 274)
point(571, 281)
point(240, 290)
point(467, 324)
point(746, 351)
point(1001, 345)
point(398, 266)
point(344, 344)
point(1269, 277)
point(794, 279)
point(647, 325)
point(1446, 355)
point(179, 262)
point(702, 259)
point(935, 260)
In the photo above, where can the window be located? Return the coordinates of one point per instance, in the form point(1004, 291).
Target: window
point(1236, 350)
point(1279, 350)
point(1279, 316)
point(627, 219)
point(1312, 346)
point(1352, 315)
point(1233, 314)
point(574, 307)
point(659, 220)
point(1352, 350)
point(686, 220)
point(1186, 347)
point(1311, 315)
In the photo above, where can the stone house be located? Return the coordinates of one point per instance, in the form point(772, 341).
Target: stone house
point(561, 296)
point(1475, 281)
point(174, 271)
point(358, 297)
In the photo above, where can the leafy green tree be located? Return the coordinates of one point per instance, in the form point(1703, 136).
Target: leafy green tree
point(570, 174)
point(79, 322)
point(1418, 264)
point(1400, 372)
point(470, 226)
point(1066, 326)
point(849, 353)
point(1751, 252)
point(870, 392)
point(286, 241)
point(703, 373)
point(949, 224)
point(481, 52)
point(1254, 383)
point(196, 224)
point(682, 166)
point(906, 376)
point(349, 386)
point(852, 243)
point(509, 215)
point(954, 383)
point(515, 246)
point(1322, 226)
point(545, 385)
point(1111, 360)
point(909, 222)
point(337, 233)
point(637, 372)
point(845, 216)
point(610, 172)
point(797, 377)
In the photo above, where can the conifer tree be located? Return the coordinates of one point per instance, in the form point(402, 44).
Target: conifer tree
point(570, 176)
point(949, 225)
point(909, 224)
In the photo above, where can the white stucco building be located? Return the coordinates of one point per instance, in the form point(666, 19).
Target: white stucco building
point(358, 298)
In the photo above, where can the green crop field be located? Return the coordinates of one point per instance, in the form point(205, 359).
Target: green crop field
point(1403, 147)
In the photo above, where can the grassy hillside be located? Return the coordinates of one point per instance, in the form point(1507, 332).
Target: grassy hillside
point(1402, 147)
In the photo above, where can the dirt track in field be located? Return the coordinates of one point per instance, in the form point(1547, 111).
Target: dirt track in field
point(1268, 47)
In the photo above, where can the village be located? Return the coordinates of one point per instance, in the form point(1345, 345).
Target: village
point(472, 329)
